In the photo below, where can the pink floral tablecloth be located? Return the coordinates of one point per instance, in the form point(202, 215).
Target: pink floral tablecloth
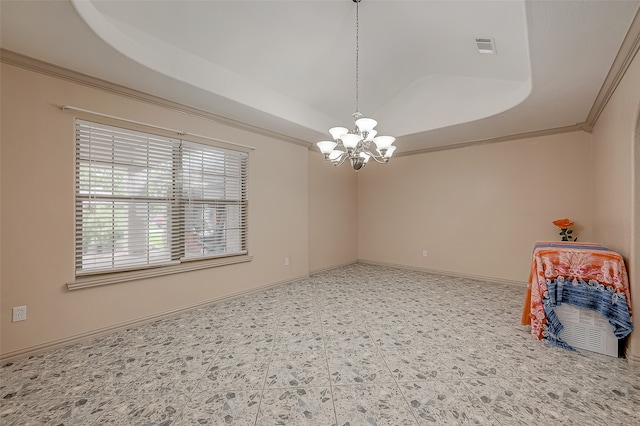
point(581, 274)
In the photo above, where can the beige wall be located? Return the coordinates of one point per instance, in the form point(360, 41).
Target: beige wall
point(634, 267)
point(476, 210)
point(616, 162)
point(37, 199)
point(333, 229)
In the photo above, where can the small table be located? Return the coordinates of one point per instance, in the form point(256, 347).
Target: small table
point(586, 275)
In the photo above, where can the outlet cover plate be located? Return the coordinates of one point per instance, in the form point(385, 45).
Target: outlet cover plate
point(19, 313)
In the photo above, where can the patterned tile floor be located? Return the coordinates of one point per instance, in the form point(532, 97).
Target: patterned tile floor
point(359, 345)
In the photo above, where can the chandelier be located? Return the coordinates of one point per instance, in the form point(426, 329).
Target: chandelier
point(360, 144)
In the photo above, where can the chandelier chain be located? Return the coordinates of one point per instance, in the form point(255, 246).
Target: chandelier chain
point(357, 54)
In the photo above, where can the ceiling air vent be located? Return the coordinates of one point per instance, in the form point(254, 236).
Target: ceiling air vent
point(486, 45)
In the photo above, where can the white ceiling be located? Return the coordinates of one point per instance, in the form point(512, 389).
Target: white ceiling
point(289, 66)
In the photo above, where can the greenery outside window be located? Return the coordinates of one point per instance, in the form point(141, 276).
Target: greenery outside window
point(146, 201)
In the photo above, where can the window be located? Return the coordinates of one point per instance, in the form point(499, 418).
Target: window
point(144, 200)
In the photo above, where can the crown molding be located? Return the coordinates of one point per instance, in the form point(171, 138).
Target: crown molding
point(534, 134)
point(625, 56)
point(35, 65)
point(628, 50)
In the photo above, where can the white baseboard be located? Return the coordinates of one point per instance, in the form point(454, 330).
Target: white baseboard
point(37, 349)
point(448, 273)
point(633, 360)
point(330, 268)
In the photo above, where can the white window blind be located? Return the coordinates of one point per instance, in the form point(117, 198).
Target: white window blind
point(144, 200)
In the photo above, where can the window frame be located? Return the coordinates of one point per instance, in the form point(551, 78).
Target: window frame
point(176, 202)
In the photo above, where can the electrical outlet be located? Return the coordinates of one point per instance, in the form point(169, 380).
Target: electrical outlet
point(286, 261)
point(424, 253)
point(19, 313)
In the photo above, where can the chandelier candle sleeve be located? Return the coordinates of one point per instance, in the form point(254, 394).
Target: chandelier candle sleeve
point(355, 145)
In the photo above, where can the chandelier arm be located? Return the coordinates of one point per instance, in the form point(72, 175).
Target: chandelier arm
point(381, 160)
point(378, 158)
point(343, 158)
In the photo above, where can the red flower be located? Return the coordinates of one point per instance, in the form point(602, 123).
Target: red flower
point(563, 223)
